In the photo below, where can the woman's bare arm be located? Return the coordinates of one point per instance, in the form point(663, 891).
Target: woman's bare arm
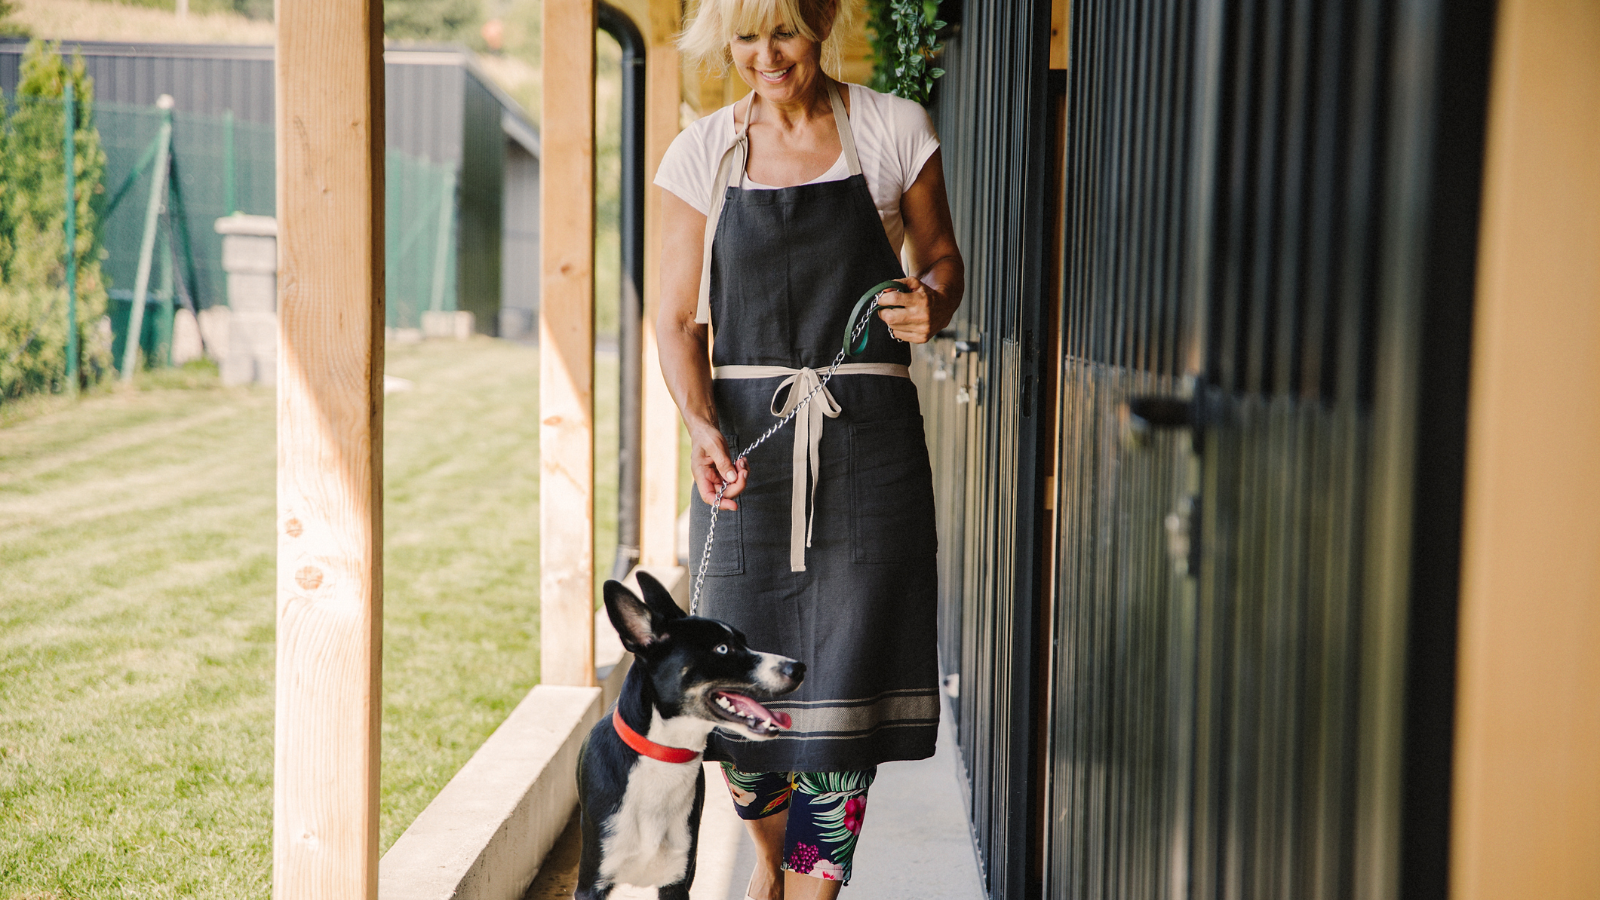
point(938, 277)
point(683, 344)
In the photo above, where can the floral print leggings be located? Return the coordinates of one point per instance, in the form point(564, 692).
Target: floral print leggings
point(825, 813)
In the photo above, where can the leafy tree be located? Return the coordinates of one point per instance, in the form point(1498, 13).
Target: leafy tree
point(33, 307)
point(433, 20)
point(9, 28)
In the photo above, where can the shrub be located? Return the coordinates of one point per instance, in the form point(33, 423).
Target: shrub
point(33, 307)
point(905, 40)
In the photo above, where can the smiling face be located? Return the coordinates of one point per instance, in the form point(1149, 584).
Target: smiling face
point(778, 62)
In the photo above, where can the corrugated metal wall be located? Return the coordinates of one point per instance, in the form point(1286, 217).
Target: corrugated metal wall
point(519, 256)
point(1254, 191)
point(202, 78)
point(979, 384)
point(483, 160)
point(1228, 672)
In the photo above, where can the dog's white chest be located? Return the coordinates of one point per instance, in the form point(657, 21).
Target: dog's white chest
point(647, 842)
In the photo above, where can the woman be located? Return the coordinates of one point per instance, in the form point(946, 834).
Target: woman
point(824, 550)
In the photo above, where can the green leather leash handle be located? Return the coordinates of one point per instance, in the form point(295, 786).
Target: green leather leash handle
point(865, 305)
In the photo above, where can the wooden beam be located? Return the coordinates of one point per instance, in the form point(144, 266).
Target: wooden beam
point(1060, 32)
point(659, 506)
point(329, 78)
point(1526, 807)
point(566, 347)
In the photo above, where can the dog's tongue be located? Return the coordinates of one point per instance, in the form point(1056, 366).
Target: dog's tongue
point(748, 707)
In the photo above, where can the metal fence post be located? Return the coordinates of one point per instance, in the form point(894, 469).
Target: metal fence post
point(147, 246)
point(230, 202)
point(68, 148)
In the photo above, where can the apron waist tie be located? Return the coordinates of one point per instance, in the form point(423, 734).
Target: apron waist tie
point(797, 385)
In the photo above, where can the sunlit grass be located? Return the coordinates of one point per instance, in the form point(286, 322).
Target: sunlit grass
point(137, 612)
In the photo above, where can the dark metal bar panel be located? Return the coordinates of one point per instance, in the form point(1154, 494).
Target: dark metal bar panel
point(1252, 191)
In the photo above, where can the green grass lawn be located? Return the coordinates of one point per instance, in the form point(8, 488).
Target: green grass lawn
point(137, 615)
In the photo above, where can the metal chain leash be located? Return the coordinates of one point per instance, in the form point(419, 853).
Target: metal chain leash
point(861, 323)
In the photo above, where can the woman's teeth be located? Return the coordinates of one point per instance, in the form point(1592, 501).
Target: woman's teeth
point(776, 76)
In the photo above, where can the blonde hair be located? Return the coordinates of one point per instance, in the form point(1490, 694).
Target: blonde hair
point(715, 23)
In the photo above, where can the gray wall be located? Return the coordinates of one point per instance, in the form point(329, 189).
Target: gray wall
point(202, 78)
point(483, 158)
point(519, 256)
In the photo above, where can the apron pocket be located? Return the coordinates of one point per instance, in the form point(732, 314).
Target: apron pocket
point(727, 550)
point(891, 492)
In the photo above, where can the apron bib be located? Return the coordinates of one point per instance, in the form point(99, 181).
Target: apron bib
point(830, 558)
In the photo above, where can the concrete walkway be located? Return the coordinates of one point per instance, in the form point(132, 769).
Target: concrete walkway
point(914, 846)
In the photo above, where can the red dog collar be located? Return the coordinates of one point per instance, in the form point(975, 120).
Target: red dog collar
point(647, 747)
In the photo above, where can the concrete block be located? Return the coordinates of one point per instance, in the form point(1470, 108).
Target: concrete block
point(250, 257)
point(214, 322)
point(252, 349)
point(186, 345)
point(255, 226)
point(455, 325)
point(485, 835)
point(250, 254)
point(249, 292)
point(516, 324)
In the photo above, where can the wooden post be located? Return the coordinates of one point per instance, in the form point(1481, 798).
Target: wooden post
point(566, 348)
point(1060, 33)
point(1526, 805)
point(329, 78)
point(659, 506)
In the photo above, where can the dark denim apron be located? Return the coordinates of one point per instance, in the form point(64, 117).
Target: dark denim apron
point(786, 267)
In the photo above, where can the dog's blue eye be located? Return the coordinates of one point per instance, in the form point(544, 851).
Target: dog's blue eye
point(721, 650)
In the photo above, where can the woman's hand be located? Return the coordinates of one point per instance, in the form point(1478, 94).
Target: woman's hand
point(922, 313)
point(712, 466)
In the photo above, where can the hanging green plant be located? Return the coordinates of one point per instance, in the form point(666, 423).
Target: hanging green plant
point(905, 42)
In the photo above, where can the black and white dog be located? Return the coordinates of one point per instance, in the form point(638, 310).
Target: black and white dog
point(640, 783)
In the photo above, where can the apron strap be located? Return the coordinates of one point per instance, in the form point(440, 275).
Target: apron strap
point(847, 140)
point(738, 154)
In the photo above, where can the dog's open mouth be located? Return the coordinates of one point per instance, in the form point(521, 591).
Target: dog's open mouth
point(749, 713)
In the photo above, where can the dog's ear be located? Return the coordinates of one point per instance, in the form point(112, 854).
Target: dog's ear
point(657, 598)
point(634, 621)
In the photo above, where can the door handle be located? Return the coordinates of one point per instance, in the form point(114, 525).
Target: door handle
point(1142, 414)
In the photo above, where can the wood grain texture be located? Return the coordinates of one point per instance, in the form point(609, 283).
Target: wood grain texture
point(566, 348)
point(659, 506)
point(1060, 33)
point(329, 79)
point(1526, 804)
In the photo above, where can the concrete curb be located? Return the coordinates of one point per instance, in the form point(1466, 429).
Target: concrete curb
point(486, 833)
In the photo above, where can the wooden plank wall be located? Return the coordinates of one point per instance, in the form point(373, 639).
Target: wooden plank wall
point(330, 448)
point(659, 506)
point(566, 347)
point(1527, 785)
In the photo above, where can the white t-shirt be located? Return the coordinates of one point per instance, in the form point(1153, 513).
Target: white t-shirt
point(894, 137)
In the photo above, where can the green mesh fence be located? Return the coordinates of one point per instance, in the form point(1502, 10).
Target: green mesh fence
point(219, 166)
point(224, 166)
point(419, 253)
